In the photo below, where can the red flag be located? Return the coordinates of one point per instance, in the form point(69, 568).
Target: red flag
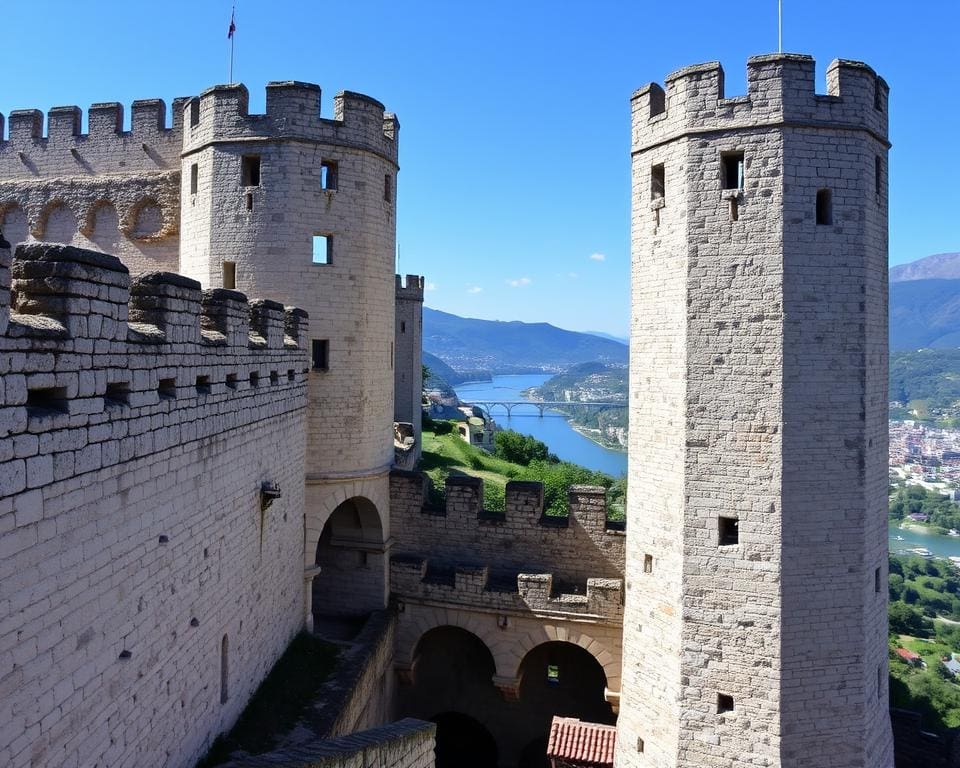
point(233, 26)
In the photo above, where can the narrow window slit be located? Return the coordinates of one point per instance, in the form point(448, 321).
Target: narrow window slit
point(824, 207)
point(328, 174)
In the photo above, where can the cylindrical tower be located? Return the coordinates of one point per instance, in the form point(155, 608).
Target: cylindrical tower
point(755, 623)
point(300, 207)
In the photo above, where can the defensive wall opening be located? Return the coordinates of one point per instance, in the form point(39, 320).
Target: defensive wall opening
point(352, 562)
point(455, 683)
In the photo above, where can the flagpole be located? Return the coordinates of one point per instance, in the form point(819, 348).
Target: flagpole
point(231, 60)
point(779, 26)
point(231, 33)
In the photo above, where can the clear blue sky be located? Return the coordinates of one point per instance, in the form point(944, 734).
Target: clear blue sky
point(514, 115)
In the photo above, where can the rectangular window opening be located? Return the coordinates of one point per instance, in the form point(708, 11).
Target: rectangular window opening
point(658, 188)
point(117, 394)
point(203, 385)
point(639, 744)
point(230, 274)
point(254, 378)
point(167, 389)
point(387, 187)
point(732, 163)
point(403, 327)
point(824, 207)
point(648, 563)
point(291, 375)
point(724, 703)
point(249, 201)
point(194, 178)
point(877, 95)
point(323, 249)
point(728, 531)
point(274, 377)
point(46, 401)
point(328, 174)
point(553, 674)
point(876, 580)
point(232, 380)
point(250, 170)
point(194, 112)
point(878, 175)
point(321, 352)
point(734, 209)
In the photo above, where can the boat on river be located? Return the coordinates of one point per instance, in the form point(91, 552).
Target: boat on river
point(921, 551)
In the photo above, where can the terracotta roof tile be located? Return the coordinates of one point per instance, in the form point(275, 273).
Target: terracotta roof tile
point(588, 743)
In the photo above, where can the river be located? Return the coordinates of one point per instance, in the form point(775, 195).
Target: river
point(552, 428)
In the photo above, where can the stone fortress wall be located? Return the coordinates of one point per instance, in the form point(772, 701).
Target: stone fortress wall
point(755, 619)
point(145, 587)
point(107, 189)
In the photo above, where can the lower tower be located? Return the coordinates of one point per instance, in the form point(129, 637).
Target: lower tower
point(755, 622)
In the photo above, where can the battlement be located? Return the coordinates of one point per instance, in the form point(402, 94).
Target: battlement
point(83, 351)
point(412, 290)
point(221, 114)
point(780, 90)
point(576, 547)
point(27, 151)
point(478, 586)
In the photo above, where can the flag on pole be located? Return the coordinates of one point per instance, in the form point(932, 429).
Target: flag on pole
point(233, 26)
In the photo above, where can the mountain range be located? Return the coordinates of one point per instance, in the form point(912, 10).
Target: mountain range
point(925, 303)
point(469, 345)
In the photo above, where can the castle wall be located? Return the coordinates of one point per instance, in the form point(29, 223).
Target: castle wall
point(758, 367)
point(137, 555)
point(107, 189)
point(408, 369)
point(573, 549)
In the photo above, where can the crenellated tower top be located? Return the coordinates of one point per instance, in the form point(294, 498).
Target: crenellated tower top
point(780, 90)
point(221, 113)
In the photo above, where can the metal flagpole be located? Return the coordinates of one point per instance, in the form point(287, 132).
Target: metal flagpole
point(779, 26)
point(230, 33)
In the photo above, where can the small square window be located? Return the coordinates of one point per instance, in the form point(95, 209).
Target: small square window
point(732, 164)
point(328, 174)
point(194, 178)
point(254, 378)
point(323, 249)
point(728, 531)
point(46, 401)
point(117, 394)
point(658, 187)
point(648, 563)
point(250, 170)
point(320, 354)
point(724, 703)
point(232, 380)
point(203, 385)
point(167, 388)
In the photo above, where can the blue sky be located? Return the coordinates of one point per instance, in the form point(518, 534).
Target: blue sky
point(514, 187)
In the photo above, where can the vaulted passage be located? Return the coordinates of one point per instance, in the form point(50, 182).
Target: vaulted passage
point(454, 673)
point(350, 553)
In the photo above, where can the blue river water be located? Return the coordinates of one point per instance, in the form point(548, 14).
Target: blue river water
point(552, 428)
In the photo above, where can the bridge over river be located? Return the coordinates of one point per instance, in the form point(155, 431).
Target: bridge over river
point(487, 406)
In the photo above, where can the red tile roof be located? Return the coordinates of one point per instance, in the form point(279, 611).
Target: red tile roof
point(907, 655)
point(588, 743)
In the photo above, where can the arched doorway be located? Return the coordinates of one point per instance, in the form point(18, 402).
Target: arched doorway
point(350, 554)
point(463, 742)
point(452, 673)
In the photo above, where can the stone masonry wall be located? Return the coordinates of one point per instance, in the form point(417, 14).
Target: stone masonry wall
point(767, 647)
point(107, 189)
point(406, 743)
point(573, 549)
point(144, 589)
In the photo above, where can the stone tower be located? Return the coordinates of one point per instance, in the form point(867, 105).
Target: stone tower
point(755, 628)
point(300, 207)
point(408, 368)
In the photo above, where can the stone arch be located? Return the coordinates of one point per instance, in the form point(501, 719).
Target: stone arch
point(420, 620)
point(14, 223)
point(463, 742)
point(573, 634)
point(148, 221)
point(323, 498)
point(57, 223)
point(558, 677)
point(351, 561)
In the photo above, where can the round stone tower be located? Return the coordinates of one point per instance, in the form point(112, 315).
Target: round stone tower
point(300, 207)
point(755, 627)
